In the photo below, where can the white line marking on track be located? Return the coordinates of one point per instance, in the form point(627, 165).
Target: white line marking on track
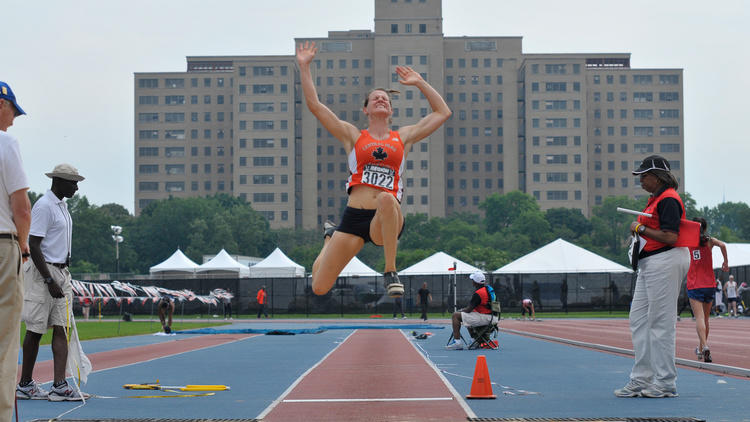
point(368, 400)
point(275, 403)
point(160, 357)
point(465, 406)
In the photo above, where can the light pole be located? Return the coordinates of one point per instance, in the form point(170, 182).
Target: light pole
point(116, 230)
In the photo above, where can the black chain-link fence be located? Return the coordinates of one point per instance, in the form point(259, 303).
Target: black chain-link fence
point(366, 295)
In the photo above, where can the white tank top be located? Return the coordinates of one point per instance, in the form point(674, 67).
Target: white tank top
point(731, 289)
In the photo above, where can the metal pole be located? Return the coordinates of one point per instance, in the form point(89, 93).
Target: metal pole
point(151, 317)
point(117, 258)
point(119, 319)
point(307, 297)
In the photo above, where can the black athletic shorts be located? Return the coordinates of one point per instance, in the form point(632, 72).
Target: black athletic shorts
point(357, 222)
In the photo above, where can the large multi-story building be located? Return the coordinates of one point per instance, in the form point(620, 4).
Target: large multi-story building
point(565, 128)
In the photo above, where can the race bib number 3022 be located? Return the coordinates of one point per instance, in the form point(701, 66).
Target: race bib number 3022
point(381, 177)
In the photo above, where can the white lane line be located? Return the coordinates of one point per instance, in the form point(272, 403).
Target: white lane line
point(367, 400)
point(725, 369)
point(465, 406)
point(280, 399)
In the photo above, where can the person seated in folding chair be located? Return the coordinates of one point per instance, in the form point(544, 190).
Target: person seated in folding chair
point(478, 313)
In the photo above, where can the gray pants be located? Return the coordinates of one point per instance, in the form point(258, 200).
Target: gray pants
point(653, 314)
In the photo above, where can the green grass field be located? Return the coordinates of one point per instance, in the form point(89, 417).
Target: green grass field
point(89, 330)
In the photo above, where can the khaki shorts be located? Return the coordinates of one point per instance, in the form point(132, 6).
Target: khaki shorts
point(475, 319)
point(40, 310)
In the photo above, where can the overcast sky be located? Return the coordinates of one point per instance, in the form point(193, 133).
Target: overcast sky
point(71, 64)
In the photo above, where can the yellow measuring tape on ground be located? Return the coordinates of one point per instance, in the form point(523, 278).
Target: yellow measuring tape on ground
point(178, 389)
point(190, 387)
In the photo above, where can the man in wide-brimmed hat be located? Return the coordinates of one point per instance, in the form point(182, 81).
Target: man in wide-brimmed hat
point(48, 292)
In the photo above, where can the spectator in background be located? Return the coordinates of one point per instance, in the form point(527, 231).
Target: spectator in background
point(719, 307)
point(15, 218)
point(527, 305)
point(227, 301)
point(536, 294)
point(86, 308)
point(730, 289)
point(564, 294)
point(398, 307)
point(262, 298)
point(423, 299)
point(166, 310)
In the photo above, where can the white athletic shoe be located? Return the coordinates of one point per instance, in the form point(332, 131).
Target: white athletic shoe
point(455, 345)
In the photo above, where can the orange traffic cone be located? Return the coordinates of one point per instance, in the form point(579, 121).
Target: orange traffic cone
point(481, 386)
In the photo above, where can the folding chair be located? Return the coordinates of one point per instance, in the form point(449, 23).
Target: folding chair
point(482, 335)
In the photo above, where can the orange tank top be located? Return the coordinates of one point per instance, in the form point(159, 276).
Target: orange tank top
point(377, 163)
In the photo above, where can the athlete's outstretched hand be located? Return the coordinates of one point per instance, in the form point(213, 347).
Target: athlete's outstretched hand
point(305, 52)
point(408, 75)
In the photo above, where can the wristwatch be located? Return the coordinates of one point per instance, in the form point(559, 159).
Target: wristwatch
point(641, 229)
point(48, 280)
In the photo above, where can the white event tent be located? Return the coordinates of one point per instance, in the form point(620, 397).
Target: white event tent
point(439, 263)
point(177, 263)
point(355, 267)
point(277, 264)
point(559, 257)
point(738, 255)
point(223, 263)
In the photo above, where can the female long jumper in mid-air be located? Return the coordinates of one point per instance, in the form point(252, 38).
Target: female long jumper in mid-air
point(376, 158)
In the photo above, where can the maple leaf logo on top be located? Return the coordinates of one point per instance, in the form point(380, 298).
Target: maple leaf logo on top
point(380, 154)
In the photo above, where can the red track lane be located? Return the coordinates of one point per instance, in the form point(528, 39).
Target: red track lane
point(727, 337)
point(371, 364)
point(126, 356)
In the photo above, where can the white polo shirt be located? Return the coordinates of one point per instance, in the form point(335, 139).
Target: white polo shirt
point(12, 179)
point(51, 220)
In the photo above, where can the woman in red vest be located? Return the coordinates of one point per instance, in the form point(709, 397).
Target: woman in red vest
point(701, 285)
point(661, 269)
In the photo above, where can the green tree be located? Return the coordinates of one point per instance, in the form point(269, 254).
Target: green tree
point(691, 207)
point(568, 223)
point(502, 210)
point(532, 224)
point(610, 227)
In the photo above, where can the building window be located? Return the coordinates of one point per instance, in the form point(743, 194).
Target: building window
point(643, 149)
point(394, 28)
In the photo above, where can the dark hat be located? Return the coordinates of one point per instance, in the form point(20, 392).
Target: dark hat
point(7, 94)
point(653, 162)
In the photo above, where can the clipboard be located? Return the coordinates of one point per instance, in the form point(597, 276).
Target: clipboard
point(690, 231)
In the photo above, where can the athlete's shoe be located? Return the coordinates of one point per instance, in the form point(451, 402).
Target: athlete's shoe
point(30, 391)
point(328, 228)
point(655, 393)
point(455, 345)
point(65, 393)
point(392, 284)
point(698, 353)
point(631, 389)
point(707, 354)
